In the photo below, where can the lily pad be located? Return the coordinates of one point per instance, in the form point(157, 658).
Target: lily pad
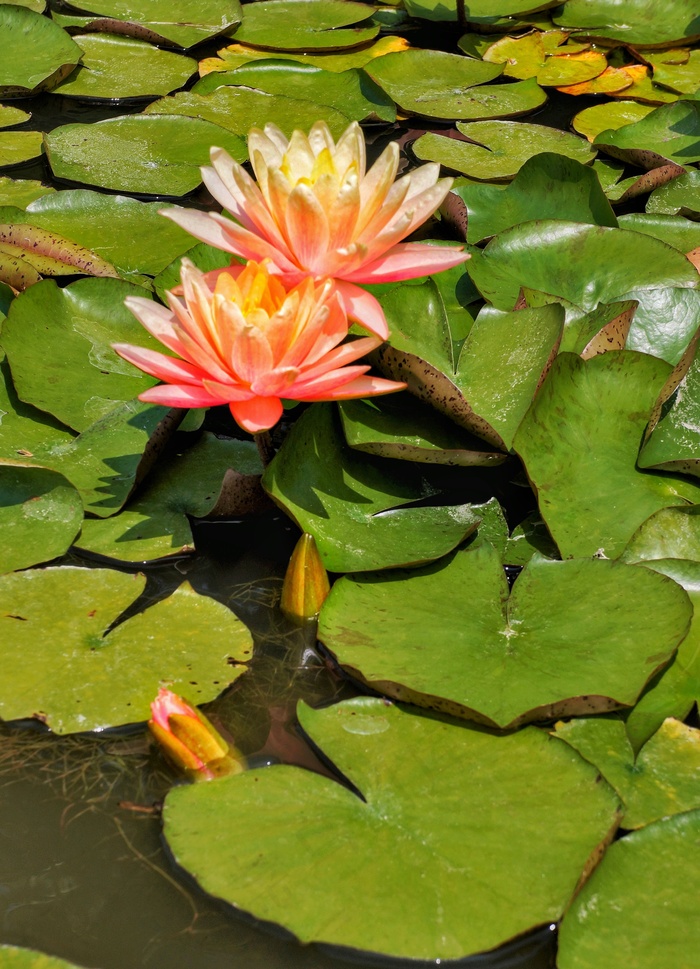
point(27, 435)
point(399, 426)
point(174, 21)
point(238, 55)
point(567, 640)
point(238, 109)
point(155, 524)
point(682, 234)
point(610, 115)
point(682, 78)
point(596, 411)
point(429, 82)
point(21, 192)
point(121, 67)
point(450, 885)
point(40, 515)
point(643, 24)
point(17, 147)
point(531, 56)
point(547, 186)
point(352, 93)
point(478, 10)
point(37, 53)
point(354, 505)
point(147, 154)
point(10, 116)
point(659, 782)
point(497, 150)
point(50, 653)
point(678, 197)
point(58, 342)
point(13, 957)
point(306, 24)
point(528, 538)
point(633, 902)
point(586, 264)
point(613, 80)
point(671, 132)
point(50, 254)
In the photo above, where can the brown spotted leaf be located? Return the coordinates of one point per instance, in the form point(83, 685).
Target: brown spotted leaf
point(51, 254)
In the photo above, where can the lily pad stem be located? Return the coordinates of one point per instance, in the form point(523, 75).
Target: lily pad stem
point(266, 450)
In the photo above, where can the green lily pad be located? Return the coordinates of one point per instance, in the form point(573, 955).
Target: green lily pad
point(579, 442)
point(175, 21)
point(37, 53)
point(643, 89)
point(352, 93)
point(12, 957)
point(353, 504)
point(672, 439)
point(634, 902)
point(478, 10)
point(610, 115)
point(682, 78)
point(499, 148)
point(121, 67)
point(50, 254)
point(40, 515)
point(203, 256)
point(155, 524)
point(239, 55)
point(49, 656)
point(671, 132)
point(681, 196)
point(399, 426)
point(21, 192)
point(682, 234)
point(238, 109)
point(148, 154)
point(27, 435)
point(450, 883)
point(19, 146)
point(567, 640)
point(58, 343)
point(306, 24)
point(527, 539)
point(547, 186)
point(431, 83)
point(552, 65)
point(659, 782)
point(672, 533)
point(585, 264)
point(10, 116)
point(643, 24)
point(516, 346)
point(664, 322)
point(132, 235)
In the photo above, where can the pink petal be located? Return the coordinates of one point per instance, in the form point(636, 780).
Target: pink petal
point(180, 395)
point(363, 307)
point(341, 356)
point(251, 354)
point(307, 229)
point(258, 414)
point(159, 365)
point(407, 261)
point(324, 386)
point(365, 387)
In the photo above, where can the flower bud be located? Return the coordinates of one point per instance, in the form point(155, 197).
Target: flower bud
point(306, 582)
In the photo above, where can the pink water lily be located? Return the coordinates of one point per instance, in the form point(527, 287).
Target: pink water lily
point(250, 342)
point(315, 210)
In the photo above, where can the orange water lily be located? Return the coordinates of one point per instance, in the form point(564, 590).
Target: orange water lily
point(250, 342)
point(315, 210)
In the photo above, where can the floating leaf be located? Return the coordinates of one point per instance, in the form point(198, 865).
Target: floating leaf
point(568, 640)
point(450, 883)
point(19, 146)
point(175, 21)
point(671, 133)
point(306, 24)
point(499, 149)
point(37, 53)
point(20, 192)
point(10, 116)
point(595, 412)
point(430, 82)
point(547, 186)
point(13, 957)
point(610, 115)
point(634, 902)
point(354, 505)
point(644, 25)
point(27, 435)
point(237, 55)
point(528, 538)
point(155, 524)
point(665, 322)
point(679, 197)
point(643, 89)
point(478, 10)
point(612, 80)
point(121, 67)
point(660, 782)
point(58, 342)
point(49, 254)
point(682, 78)
point(148, 154)
point(40, 515)
point(50, 653)
point(552, 66)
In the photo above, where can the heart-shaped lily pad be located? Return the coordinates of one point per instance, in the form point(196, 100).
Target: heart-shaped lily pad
point(566, 641)
point(610, 115)
point(238, 55)
point(355, 505)
point(40, 515)
point(417, 867)
point(121, 67)
point(19, 146)
point(148, 154)
point(27, 435)
point(579, 442)
point(659, 782)
point(11, 116)
point(37, 53)
point(635, 902)
point(306, 24)
point(54, 624)
point(58, 342)
point(645, 25)
point(21, 192)
point(497, 150)
point(681, 196)
point(672, 132)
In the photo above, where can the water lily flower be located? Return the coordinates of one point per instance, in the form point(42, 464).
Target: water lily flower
point(190, 741)
point(315, 210)
point(250, 343)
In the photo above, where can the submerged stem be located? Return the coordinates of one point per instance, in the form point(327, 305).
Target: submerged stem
point(263, 440)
